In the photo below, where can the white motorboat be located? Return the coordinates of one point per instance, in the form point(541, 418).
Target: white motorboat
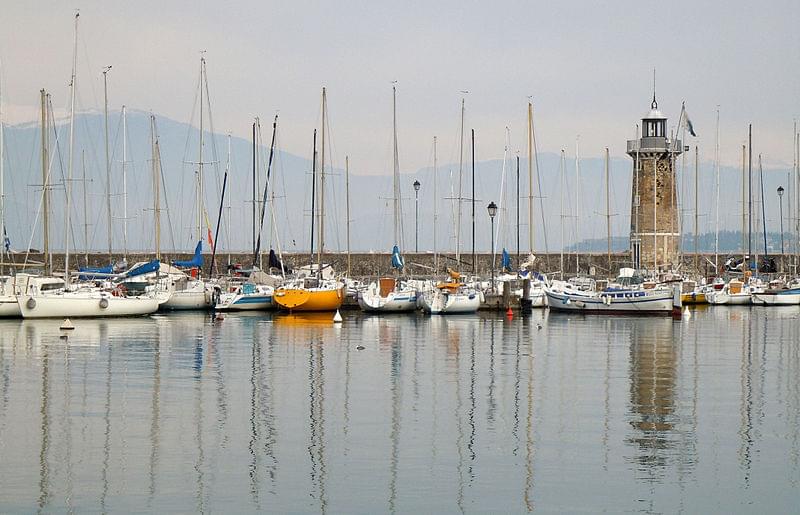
point(734, 293)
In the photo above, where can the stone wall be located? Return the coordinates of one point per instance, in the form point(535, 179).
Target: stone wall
point(422, 264)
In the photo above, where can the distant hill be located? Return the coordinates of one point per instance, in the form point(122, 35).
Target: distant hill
point(730, 242)
point(371, 211)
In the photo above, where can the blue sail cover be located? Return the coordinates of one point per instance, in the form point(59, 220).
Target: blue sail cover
point(505, 262)
point(196, 261)
point(397, 259)
point(146, 268)
point(88, 272)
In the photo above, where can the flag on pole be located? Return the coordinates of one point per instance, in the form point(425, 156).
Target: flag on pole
point(688, 122)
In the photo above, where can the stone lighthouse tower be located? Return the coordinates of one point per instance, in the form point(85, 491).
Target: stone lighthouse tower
point(655, 233)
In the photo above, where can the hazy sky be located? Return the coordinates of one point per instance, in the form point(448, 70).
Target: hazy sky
point(587, 65)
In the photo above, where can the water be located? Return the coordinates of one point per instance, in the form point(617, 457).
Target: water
point(474, 414)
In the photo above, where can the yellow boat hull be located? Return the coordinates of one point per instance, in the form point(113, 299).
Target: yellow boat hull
point(693, 298)
point(301, 299)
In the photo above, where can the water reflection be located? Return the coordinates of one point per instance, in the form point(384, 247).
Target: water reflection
point(293, 413)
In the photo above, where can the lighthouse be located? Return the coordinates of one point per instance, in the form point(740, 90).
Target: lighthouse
point(655, 233)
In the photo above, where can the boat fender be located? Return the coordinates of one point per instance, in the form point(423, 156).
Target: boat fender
point(207, 297)
point(31, 303)
point(103, 303)
point(580, 303)
point(566, 301)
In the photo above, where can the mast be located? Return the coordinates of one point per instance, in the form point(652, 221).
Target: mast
point(435, 209)
point(716, 222)
point(577, 208)
point(219, 213)
point(228, 207)
point(108, 160)
point(517, 205)
point(608, 211)
point(321, 247)
point(562, 177)
point(347, 207)
point(531, 184)
point(2, 176)
point(45, 187)
point(474, 268)
point(71, 152)
point(763, 208)
point(156, 185)
point(750, 191)
point(257, 254)
point(395, 169)
point(744, 207)
point(125, 182)
point(638, 243)
point(85, 211)
point(696, 214)
point(460, 190)
point(313, 191)
point(255, 189)
point(200, 160)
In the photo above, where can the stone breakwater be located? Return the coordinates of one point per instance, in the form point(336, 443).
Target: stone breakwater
point(363, 264)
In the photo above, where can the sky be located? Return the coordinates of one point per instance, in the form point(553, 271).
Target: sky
point(587, 65)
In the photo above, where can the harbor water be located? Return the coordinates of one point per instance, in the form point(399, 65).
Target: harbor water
point(289, 413)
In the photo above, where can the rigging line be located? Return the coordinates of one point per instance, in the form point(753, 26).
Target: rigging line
point(539, 184)
point(333, 186)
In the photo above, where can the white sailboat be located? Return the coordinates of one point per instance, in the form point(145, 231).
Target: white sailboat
point(451, 297)
point(389, 294)
point(190, 292)
point(41, 299)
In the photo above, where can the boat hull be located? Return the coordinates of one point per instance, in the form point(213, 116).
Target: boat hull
point(628, 303)
point(395, 302)
point(9, 308)
point(302, 299)
point(441, 303)
point(246, 303)
point(777, 298)
point(83, 306)
point(694, 298)
point(187, 300)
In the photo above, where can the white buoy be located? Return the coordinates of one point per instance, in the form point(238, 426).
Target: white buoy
point(66, 325)
point(337, 318)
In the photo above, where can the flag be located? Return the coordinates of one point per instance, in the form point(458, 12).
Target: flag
point(688, 122)
point(397, 259)
point(6, 240)
point(210, 239)
point(506, 260)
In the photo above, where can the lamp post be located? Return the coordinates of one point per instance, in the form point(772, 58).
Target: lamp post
point(416, 215)
point(492, 208)
point(780, 201)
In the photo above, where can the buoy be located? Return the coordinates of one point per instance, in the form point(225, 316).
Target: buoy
point(66, 325)
point(510, 313)
point(337, 318)
point(360, 347)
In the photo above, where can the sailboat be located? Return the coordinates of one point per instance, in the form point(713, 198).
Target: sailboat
point(390, 294)
point(314, 291)
point(451, 297)
point(189, 291)
point(44, 298)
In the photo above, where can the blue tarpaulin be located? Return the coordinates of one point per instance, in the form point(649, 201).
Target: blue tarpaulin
point(505, 263)
point(88, 272)
point(146, 268)
point(196, 261)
